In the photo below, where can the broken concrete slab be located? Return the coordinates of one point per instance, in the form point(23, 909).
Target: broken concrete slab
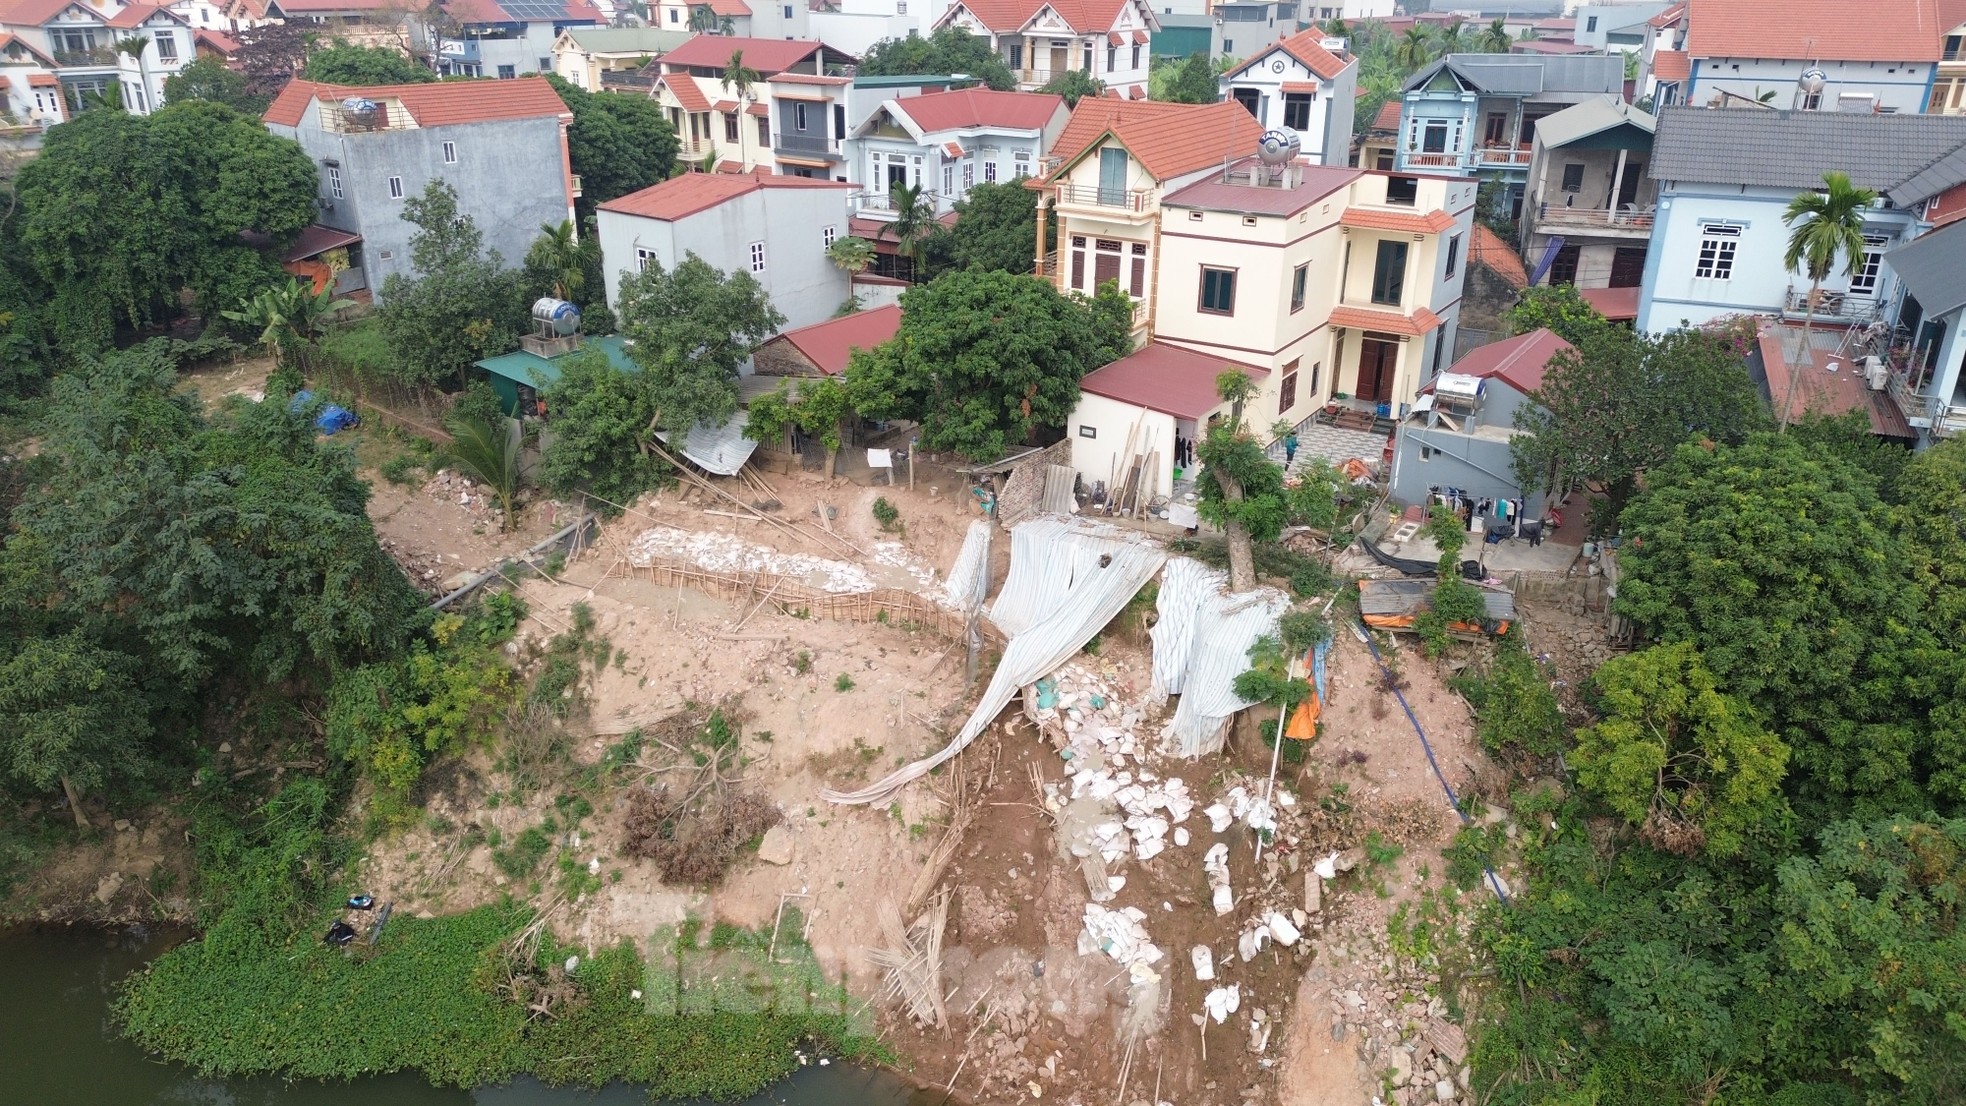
point(777, 847)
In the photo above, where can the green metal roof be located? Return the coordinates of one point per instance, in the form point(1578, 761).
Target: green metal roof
point(611, 40)
point(535, 371)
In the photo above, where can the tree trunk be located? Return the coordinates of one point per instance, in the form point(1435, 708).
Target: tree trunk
point(832, 459)
point(1242, 559)
point(1808, 352)
point(75, 802)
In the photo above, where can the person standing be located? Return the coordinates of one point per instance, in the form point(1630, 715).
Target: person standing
point(1289, 448)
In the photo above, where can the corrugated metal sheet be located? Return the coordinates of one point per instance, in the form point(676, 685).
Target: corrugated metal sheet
point(969, 578)
point(719, 449)
point(1183, 583)
point(1226, 625)
point(1402, 597)
point(1060, 482)
point(1080, 597)
point(1049, 556)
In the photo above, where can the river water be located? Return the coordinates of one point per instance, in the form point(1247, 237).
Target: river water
point(57, 1047)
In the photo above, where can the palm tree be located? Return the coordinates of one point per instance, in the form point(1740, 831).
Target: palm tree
point(739, 76)
point(851, 254)
point(1414, 49)
point(1827, 226)
point(1494, 39)
point(287, 315)
point(487, 450)
point(558, 252)
point(133, 47)
point(702, 20)
point(914, 216)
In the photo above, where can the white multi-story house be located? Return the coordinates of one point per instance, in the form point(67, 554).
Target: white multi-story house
point(1043, 39)
point(777, 229)
point(1880, 55)
point(791, 121)
point(1725, 178)
point(948, 142)
point(597, 58)
point(80, 40)
point(30, 92)
point(1324, 11)
point(1304, 84)
point(1620, 26)
point(742, 18)
point(507, 38)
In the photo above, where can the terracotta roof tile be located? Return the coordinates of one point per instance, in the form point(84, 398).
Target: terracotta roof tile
point(1668, 17)
point(43, 80)
point(1003, 16)
point(829, 345)
point(9, 41)
point(431, 105)
point(980, 107)
point(1487, 249)
point(33, 13)
point(1165, 378)
point(1301, 86)
point(1411, 222)
point(136, 14)
point(219, 41)
point(1815, 30)
point(1169, 139)
point(1518, 361)
point(952, 149)
point(1304, 46)
point(725, 106)
point(1388, 117)
point(690, 193)
point(769, 56)
point(683, 87)
point(1671, 65)
point(1616, 304)
point(1389, 322)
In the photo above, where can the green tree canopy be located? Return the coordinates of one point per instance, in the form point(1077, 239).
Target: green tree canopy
point(982, 360)
point(1246, 497)
point(1561, 309)
point(121, 213)
point(1784, 568)
point(948, 50)
point(1074, 85)
point(1618, 404)
point(461, 306)
point(692, 327)
point(820, 408)
point(602, 417)
point(346, 63)
point(1690, 766)
point(1188, 81)
point(211, 80)
point(996, 228)
point(618, 144)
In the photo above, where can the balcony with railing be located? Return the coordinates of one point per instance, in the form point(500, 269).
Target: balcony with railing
point(93, 57)
point(1923, 409)
point(1437, 159)
point(1501, 157)
point(389, 115)
point(803, 145)
point(1831, 305)
point(881, 204)
point(1633, 218)
point(1109, 202)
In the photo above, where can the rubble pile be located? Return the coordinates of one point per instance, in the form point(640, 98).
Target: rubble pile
point(1105, 807)
point(452, 487)
point(717, 552)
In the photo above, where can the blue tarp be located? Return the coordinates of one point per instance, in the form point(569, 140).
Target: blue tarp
point(330, 418)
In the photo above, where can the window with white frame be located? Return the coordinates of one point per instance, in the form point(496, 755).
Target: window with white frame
point(757, 257)
point(450, 153)
point(334, 180)
point(798, 117)
point(1863, 282)
point(949, 179)
point(826, 236)
point(969, 175)
point(167, 46)
point(643, 257)
point(395, 188)
point(1718, 242)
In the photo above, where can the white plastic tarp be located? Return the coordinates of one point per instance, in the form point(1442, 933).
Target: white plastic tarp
point(1208, 632)
point(969, 577)
point(1060, 563)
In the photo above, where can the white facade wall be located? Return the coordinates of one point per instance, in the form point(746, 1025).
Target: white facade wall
point(1891, 86)
point(1097, 458)
point(1674, 293)
point(143, 79)
point(1326, 133)
point(1048, 47)
point(790, 224)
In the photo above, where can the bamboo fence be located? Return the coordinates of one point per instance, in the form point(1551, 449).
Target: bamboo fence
point(891, 605)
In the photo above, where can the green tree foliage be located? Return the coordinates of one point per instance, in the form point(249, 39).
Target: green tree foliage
point(211, 80)
point(461, 306)
point(1561, 309)
point(982, 360)
point(286, 315)
point(72, 713)
point(1516, 713)
point(487, 450)
point(349, 64)
point(692, 327)
point(1620, 403)
point(996, 228)
point(602, 418)
point(819, 408)
point(948, 50)
point(1188, 81)
point(1692, 767)
point(120, 213)
point(1454, 601)
point(618, 144)
point(1782, 566)
point(1074, 85)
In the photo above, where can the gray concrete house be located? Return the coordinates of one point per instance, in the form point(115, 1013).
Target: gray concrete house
point(1589, 189)
point(1456, 440)
point(501, 144)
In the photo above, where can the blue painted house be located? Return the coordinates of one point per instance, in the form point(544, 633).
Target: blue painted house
point(1475, 114)
point(1725, 179)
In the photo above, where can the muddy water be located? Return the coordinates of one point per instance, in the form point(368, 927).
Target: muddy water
point(57, 1046)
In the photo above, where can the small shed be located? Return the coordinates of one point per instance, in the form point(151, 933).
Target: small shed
point(509, 372)
point(1132, 411)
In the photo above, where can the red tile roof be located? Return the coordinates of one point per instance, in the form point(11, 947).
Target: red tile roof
point(1668, 17)
point(1671, 65)
point(9, 40)
point(316, 239)
point(1169, 139)
point(1388, 117)
point(491, 11)
point(683, 87)
point(1391, 322)
point(690, 193)
point(952, 149)
point(1411, 222)
point(33, 13)
point(1815, 30)
point(135, 15)
point(43, 80)
point(317, 7)
point(1819, 390)
point(829, 345)
point(769, 56)
point(431, 105)
point(1487, 249)
point(1518, 362)
point(1304, 46)
point(1002, 16)
point(1616, 304)
point(223, 43)
point(1165, 378)
point(980, 107)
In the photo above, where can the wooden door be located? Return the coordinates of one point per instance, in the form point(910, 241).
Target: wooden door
point(1377, 361)
point(1061, 60)
point(1105, 267)
point(1628, 267)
